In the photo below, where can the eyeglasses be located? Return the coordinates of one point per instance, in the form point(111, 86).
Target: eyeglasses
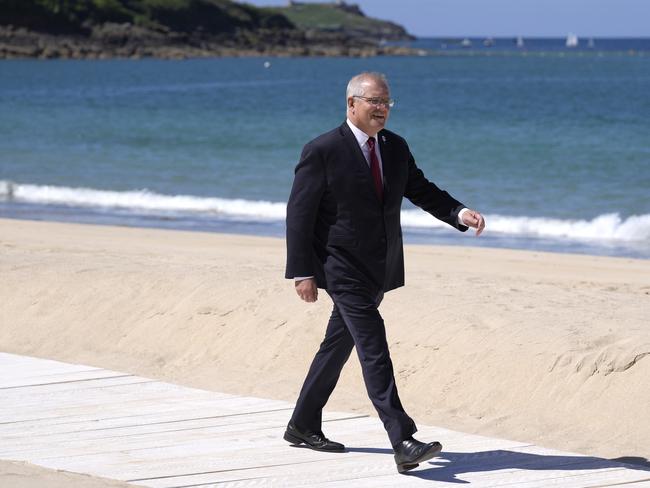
point(377, 102)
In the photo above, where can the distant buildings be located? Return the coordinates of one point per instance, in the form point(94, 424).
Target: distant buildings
point(338, 3)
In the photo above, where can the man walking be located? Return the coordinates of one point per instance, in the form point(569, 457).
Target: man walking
point(344, 236)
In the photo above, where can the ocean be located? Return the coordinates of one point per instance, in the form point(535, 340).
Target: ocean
point(551, 144)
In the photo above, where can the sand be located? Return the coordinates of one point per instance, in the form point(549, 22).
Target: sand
point(552, 349)
point(15, 474)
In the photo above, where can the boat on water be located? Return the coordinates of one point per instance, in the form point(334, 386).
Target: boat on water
point(571, 40)
point(519, 42)
point(590, 43)
point(466, 43)
point(489, 42)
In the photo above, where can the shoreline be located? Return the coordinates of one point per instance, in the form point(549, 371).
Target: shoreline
point(533, 346)
point(7, 220)
point(412, 236)
point(125, 41)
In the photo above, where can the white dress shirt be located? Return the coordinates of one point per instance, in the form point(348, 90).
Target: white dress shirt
point(362, 140)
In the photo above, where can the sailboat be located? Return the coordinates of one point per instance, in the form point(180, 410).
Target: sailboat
point(590, 43)
point(571, 40)
point(519, 42)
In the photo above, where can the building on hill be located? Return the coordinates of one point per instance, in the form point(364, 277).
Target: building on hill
point(338, 3)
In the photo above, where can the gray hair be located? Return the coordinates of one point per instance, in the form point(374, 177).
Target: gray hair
point(356, 84)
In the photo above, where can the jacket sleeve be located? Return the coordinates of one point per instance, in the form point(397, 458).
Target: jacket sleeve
point(308, 187)
point(430, 198)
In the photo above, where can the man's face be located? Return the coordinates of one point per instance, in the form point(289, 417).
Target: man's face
point(369, 117)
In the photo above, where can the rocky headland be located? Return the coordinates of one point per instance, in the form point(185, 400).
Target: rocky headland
point(178, 29)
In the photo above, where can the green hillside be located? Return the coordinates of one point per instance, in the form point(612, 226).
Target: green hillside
point(335, 17)
point(77, 16)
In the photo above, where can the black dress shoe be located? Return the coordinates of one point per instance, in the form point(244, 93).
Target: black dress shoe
point(314, 440)
point(410, 453)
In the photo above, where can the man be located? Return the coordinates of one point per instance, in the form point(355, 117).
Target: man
point(344, 236)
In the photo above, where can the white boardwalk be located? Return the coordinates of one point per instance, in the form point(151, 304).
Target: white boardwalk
point(149, 433)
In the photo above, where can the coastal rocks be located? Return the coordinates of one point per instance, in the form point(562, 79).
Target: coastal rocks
point(125, 40)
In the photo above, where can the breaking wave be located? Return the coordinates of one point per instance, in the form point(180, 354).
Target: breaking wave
point(606, 227)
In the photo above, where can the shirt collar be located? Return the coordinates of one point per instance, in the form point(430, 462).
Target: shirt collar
point(359, 135)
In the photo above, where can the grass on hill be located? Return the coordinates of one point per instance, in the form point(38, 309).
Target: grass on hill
point(328, 16)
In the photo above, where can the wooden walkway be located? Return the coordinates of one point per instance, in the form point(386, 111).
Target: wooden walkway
point(149, 433)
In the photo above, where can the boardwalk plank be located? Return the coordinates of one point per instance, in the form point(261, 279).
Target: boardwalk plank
point(45, 379)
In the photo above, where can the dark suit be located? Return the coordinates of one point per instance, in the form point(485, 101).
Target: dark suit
point(340, 232)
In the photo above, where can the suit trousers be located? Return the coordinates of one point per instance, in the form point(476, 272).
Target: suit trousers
point(355, 321)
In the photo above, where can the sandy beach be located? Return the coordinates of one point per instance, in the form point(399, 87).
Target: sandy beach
point(553, 349)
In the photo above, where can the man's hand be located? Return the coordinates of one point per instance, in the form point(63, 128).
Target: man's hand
point(473, 219)
point(307, 290)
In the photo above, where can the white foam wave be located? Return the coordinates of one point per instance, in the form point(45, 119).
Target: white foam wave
point(141, 200)
point(609, 226)
point(606, 227)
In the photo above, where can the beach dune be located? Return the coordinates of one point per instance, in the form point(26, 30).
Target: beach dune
point(553, 349)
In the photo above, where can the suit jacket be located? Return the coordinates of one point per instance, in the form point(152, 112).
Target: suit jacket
point(337, 228)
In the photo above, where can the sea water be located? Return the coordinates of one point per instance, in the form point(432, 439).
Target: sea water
point(552, 146)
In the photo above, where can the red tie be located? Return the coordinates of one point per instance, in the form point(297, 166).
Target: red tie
point(374, 169)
